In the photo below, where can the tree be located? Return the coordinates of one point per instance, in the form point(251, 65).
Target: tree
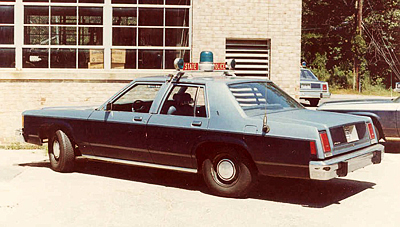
point(329, 30)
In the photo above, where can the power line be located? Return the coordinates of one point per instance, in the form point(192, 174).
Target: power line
point(393, 57)
point(383, 54)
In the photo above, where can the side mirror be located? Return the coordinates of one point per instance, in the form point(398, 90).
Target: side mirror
point(109, 106)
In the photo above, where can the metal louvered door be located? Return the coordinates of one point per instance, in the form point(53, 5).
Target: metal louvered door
point(252, 56)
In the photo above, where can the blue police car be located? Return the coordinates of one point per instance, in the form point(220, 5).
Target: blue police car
point(228, 129)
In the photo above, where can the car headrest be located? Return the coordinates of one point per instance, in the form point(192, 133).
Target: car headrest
point(182, 98)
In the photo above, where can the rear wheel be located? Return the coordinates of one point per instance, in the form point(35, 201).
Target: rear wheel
point(61, 152)
point(313, 102)
point(228, 173)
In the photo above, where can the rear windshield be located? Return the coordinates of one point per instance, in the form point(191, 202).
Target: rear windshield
point(307, 75)
point(254, 99)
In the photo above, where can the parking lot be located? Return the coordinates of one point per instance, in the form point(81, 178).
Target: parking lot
point(99, 194)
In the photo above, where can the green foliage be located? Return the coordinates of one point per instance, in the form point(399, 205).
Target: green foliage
point(331, 43)
point(341, 78)
point(319, 67)
point(21, 146)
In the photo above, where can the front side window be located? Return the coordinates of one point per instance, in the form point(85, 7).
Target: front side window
point(138, 99)
point(257, 97)
point(185, 101)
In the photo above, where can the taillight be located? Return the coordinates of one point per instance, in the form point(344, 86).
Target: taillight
point(325, 142)
point(371, 131)
point(313, 149)
point(324, 87)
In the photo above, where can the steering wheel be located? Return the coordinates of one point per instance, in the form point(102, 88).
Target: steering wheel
point(137, 106)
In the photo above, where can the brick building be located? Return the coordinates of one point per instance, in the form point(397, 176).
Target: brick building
point(79, 52)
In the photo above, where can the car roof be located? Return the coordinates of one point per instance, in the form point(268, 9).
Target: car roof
point(205, 77)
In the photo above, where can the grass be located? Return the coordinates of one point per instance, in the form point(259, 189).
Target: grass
point(22, 146)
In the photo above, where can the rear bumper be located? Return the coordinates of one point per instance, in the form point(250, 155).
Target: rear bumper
point(314, 94)
point(23, 137)
point(344, 164)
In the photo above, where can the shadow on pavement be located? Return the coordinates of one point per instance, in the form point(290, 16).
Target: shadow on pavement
point(315, 194)
point(308, 193)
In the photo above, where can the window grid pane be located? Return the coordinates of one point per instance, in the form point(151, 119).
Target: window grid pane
point(144, 28)
point(140, 28)
point(71, 26)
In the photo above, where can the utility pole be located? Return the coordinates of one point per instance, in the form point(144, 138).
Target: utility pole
point(356, 70)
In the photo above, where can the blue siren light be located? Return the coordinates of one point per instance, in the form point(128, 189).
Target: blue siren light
point(206, 61)
point(206, 57)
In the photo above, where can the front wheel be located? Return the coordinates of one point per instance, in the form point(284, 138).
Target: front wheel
point(61, 152)
point(228, 174)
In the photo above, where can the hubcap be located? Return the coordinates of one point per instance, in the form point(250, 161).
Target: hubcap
point(56, 149)
point(226, 169)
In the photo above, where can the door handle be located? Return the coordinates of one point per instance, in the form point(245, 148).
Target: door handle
point(196, 123)
point(137, 118)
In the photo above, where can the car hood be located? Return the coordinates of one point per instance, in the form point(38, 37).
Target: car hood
point(359, 105)
point(71, 108)
point(72, 112)
point(319, 119)
point(355, 102)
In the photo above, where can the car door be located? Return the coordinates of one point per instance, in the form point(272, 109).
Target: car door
point(181, 121)
point(119, 131)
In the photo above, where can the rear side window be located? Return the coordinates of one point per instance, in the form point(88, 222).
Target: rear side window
point(185, 101)
point(307, 75)
point(256, 97)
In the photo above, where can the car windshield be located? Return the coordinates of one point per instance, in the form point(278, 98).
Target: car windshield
point(306, 74)
point(252, 98)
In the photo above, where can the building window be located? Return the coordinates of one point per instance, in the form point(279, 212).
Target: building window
point(63, 36)
point(252, 56)
point(142, 34)
point(7, 49)
point(155, 35)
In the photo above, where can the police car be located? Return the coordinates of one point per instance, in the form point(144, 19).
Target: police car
point(228, 129)
point(311, 89)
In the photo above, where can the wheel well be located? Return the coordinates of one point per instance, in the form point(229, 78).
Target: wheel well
point(47, 131)
point(207, 150)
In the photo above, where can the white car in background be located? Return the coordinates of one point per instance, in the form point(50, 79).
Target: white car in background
point(312, 89)
point(397, 88)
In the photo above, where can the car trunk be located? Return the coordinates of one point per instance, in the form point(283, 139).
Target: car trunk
point(346, 132)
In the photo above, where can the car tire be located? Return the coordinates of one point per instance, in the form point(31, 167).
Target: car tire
point(313, 102)
point(228, 173)
point(61, 152)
